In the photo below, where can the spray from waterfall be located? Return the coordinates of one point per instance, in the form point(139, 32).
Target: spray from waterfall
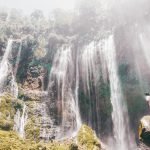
point(144, 39)
point(20, 121)
point(122, 134)
point(144, 64)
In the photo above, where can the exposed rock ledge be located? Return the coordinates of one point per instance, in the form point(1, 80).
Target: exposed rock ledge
point(144, 133)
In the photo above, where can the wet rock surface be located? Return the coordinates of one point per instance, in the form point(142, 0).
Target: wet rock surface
point(144, 129)
point(35, 78)
point(144, 133)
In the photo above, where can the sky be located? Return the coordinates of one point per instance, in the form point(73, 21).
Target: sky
point(46, 6)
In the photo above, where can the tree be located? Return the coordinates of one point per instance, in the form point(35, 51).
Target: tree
point(37, 15)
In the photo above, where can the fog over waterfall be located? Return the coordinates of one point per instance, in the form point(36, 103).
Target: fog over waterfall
point(75, 75)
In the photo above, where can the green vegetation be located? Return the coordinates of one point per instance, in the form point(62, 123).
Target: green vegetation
point(32, 131)
point(8, 108)
point(87, 139)
point(11, 141)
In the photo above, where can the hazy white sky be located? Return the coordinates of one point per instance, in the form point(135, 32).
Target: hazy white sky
point(46, 5)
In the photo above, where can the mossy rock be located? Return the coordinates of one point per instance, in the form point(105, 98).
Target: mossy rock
point(28, 96)
point(73, 146)
point(6, 124)
point(22, 95)
point(87, 139)
point(144, 129)
point(39, 53)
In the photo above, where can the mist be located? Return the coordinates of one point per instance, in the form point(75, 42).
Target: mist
point(72, 66)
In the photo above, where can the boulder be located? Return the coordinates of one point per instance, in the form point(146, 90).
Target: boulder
point(144, 129)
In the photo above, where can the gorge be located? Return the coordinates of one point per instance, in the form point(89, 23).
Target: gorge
point(76, 80)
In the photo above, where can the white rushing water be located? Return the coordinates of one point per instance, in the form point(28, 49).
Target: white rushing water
point(62, 77)
point(4, 65)
point(122, 134)
point(14, 85)
point(6, 69)
point(18, 59)
point(91, 68)
point(78, 117)
point(20, 121)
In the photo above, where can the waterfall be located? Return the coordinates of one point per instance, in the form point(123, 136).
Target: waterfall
point(63, 96)
point(14, 85)
point(122, 134)
point(6, 69)
point(89, 66)
point(4, 65)
point(18, 59)
point(92, 68)
point(20, 121)
point(78, 118)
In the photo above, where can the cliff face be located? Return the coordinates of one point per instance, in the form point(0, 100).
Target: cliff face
point(44, 105)
point(36, 127)
point(32, 61)
point(57, 74)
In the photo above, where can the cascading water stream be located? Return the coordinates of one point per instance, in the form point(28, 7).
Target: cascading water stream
point(20, 121)
point(89, 71)
point(65, 99)
point(78, 118)
point(14, 85)
point(92, 69)
point(18, 59)
point(122, 134)
point(6, 69)
point(4, 65)
point(88, 68)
